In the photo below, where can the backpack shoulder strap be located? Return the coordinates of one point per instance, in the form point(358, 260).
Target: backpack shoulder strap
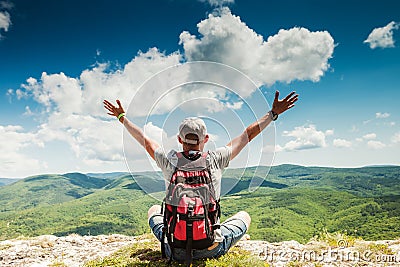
point(186, 164)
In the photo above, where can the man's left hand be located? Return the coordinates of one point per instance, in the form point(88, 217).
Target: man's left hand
point(280, 106)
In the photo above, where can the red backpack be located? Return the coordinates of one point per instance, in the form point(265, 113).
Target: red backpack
point(191, 210)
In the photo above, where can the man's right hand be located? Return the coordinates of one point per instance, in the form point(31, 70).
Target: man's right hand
point(113, 110)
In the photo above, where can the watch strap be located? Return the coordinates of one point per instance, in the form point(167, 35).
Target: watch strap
point(274, 116)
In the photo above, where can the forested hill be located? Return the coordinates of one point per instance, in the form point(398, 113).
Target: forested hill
point(6, 181)
point(291, 202)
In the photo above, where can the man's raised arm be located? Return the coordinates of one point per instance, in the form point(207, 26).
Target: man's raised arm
point(149, 144)
point(278, 107)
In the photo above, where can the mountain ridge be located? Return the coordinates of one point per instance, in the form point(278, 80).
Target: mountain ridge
point(292, 202)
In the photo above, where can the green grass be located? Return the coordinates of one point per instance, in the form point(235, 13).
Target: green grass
point(147, 253)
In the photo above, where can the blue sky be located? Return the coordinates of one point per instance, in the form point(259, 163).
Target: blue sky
point(59, 59)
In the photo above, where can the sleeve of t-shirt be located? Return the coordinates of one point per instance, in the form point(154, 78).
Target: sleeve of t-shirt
point(161, 158)
point(223, 156)
point(164, 160)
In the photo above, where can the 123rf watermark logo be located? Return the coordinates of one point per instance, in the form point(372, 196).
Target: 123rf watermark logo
point(342, 253)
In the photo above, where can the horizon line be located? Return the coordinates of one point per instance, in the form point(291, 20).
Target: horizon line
point(235, 168)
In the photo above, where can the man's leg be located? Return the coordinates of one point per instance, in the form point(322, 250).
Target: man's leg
point(234, 228)
point(244, 216)
point(156, 222)
point(153, 210)
point(155, 219)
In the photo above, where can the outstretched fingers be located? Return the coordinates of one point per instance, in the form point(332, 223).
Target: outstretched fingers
point(276, 96)
point(289, 96)
point(110, 107)
point(107, 104)
point(294, 98)
point(119, 104)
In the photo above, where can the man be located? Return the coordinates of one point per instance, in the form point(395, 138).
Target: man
point(193, 136)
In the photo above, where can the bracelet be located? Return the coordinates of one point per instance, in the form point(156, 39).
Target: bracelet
point(120, 116)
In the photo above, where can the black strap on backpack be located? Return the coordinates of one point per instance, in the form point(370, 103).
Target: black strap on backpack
point(189, 235)
point(164, 230)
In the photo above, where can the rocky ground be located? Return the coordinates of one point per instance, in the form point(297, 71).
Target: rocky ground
point(75, 250)
point(313, 254)
point(49, 250)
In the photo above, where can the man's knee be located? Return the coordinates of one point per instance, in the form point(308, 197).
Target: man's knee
point(153, 210)
point(245, 217)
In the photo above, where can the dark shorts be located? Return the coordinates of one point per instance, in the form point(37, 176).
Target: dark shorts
point(233, 229)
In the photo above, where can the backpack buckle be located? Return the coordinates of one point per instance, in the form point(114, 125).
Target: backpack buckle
point(191, 208)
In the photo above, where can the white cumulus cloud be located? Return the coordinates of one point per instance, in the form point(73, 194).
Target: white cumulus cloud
point(375, 144)
point(329, 132)
point(160, 136)
point(88, 137)
point(218, 3)
point(396, 138)
point(293, 54)
point(382, 37)
point(305, 138)
point(380, 115)
point(56, 91)
point(84, 95)
point(369, 136)
point(341, 143)
point(73, 106)
point(13, 139)
point(72, 109)
point(5, 19)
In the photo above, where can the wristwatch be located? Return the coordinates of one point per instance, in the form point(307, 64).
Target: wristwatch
point(274, 115)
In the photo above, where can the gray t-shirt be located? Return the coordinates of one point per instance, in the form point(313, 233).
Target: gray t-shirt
point(217, 161)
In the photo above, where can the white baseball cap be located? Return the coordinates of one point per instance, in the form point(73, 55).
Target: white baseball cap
point(192, 125)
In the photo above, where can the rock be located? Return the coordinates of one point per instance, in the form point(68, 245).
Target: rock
point(245, 237)
point(74, 250)
point(363, 253)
